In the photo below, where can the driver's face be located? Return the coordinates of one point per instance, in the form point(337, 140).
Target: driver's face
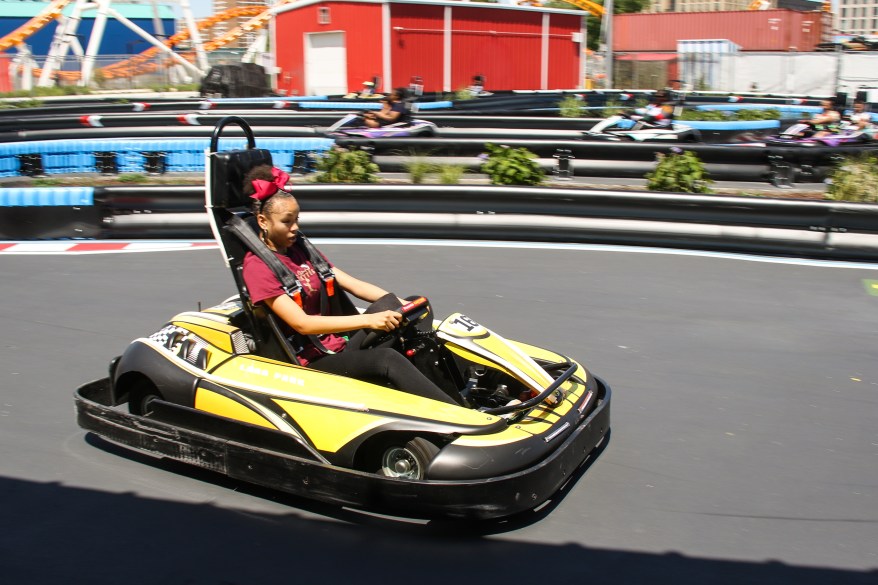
point(281, 223)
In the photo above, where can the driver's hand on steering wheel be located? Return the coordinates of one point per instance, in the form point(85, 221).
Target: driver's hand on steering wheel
point(383, 321)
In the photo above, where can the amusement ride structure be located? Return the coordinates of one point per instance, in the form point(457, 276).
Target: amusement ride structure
point(188, 64)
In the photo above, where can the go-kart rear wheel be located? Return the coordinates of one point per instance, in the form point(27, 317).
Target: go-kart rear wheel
point(140, 395)
point(408, 461)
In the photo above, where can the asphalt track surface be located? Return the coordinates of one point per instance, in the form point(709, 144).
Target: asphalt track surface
point(744, 444)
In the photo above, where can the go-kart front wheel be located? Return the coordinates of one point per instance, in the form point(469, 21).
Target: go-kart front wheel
point(140, 395)
point(407, 461)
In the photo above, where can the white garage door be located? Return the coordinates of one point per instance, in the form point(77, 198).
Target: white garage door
point(326, 70)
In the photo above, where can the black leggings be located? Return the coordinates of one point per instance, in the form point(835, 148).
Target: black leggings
point(380, 364)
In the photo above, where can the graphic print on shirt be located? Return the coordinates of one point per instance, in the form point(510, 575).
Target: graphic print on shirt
point(305, 275)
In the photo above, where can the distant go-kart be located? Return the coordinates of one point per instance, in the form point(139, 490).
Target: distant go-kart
point(803, 135)
point(221, 388)
point(354, 126)
point(622, 128)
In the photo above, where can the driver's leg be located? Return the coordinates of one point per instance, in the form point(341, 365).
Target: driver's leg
point(381, 365)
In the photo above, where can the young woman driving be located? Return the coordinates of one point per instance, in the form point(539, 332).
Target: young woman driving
point(397, 111)
point(277, 214)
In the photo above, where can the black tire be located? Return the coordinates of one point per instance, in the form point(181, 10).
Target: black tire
point(140, 395)
point(409, 461)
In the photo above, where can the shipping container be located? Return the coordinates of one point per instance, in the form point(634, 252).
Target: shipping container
point(751, 30)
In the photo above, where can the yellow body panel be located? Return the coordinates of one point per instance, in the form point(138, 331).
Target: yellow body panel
point(214, 332)
point(305, 385)
point(330, 431)
point(477, 359)
point(461, 331)
point(214, 403)
point(215, 357)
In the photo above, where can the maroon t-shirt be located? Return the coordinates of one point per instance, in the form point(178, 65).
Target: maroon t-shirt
point(263, 284)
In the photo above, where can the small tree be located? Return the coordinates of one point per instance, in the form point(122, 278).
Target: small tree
point(340, 165)
point(855, 179)
point(511, 166)
point(679, 172)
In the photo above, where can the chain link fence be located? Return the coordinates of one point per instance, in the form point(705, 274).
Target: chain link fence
point(116, 72)
point(815, 73)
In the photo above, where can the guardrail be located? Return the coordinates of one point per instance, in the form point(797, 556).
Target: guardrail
point(779, 165)
point(755, 225)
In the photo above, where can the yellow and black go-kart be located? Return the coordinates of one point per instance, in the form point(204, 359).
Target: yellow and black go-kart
point(221, 388)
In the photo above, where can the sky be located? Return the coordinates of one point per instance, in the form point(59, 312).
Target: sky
point(201, 8)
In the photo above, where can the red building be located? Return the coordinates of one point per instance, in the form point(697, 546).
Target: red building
point(332, 46)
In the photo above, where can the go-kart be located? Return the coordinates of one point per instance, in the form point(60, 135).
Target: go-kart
point(353, 125)
point(803, 134)
point(222, 388)
point(623, 127)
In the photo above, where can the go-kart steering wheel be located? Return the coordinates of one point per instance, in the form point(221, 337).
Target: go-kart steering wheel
point(409, 312)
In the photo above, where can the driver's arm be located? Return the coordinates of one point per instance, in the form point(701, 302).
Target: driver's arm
point(359, 288)
point(293, 315)
point(390, 116)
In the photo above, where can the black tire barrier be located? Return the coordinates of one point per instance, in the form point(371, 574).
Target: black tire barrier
point(306, 123)
point(50, 223)
point(772, 226)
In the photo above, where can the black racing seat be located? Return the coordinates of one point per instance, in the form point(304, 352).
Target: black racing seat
point(225, 200)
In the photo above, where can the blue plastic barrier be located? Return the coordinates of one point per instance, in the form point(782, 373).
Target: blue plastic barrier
point(373, 105)
point(181, 155)
point(279, 98)
point(47, 196)
point(433, 105)
point(731, 125)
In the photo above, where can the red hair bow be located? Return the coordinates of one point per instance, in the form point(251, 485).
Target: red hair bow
point(264, 189)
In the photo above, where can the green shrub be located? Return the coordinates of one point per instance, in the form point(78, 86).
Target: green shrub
point(511, 166)
point(451, 174)
point(679, 172)
point(463, 94)
point(133, 178)
point(38, 92)
point(756, 114)
point(31, 103)
point(701, 115)
point(340, 165)
point(614, 106)
point(419, 169)
point(855, 179)
point(46, 182)
point(570, 107)
point(723, 116)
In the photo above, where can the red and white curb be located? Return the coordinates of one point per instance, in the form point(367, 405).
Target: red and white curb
point(98, 247)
